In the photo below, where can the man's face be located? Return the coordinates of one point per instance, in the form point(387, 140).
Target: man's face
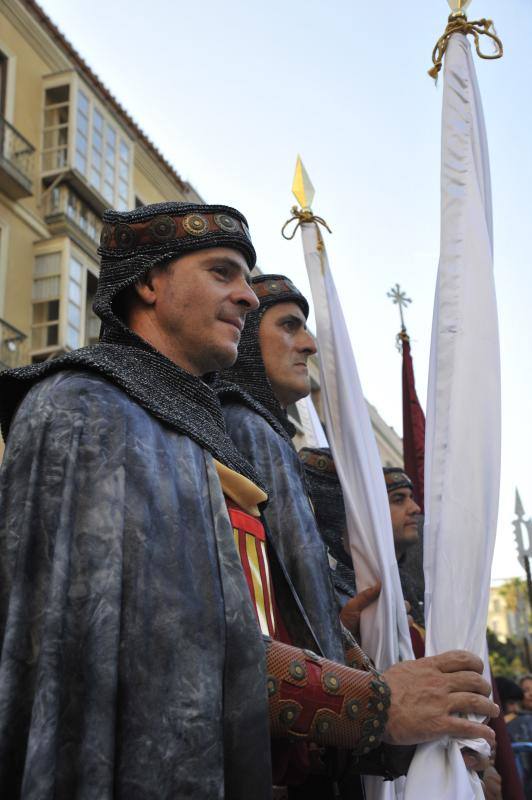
point(526, 686)
point(404, 513)
point(200, 305)
point(286, 346)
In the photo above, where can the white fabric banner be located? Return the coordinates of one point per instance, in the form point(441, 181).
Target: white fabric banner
point(314, 433)
point(462, 448)
point(384, 626)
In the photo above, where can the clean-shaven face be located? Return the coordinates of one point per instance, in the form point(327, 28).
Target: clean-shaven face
point(286, 345)
point(201, 302)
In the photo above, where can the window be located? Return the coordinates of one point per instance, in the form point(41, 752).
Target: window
point(75, 289)
point(46, 294)
point(92, 323)
point(107, 165)
point(82, 133)
point(64, 286)
point(55, 131)
point(79, 134)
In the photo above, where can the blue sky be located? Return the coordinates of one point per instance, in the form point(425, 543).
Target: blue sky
point(232, 92)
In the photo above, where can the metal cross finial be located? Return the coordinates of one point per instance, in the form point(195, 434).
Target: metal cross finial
point(400, 299)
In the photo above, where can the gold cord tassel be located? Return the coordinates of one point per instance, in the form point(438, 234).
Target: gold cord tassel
point(303, 215)
point(460, 24)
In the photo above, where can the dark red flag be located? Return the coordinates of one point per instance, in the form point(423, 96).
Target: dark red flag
point(413, 426)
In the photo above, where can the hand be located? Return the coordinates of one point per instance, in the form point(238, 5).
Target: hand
point(492, 784)
point(350, 613)
point(427, 693)
point(408, 609)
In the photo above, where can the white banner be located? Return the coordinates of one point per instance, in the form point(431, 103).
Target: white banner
point(384, 626)
point(462, 448)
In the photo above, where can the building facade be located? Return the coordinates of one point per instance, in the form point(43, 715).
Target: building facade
point(68, 150)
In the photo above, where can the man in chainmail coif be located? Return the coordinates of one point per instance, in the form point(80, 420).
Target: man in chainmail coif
point(270, 373)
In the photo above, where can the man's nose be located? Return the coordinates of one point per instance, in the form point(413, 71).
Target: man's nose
point(245, 296)
point(306, 344)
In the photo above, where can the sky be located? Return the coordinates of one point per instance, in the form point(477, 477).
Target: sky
point(232, 92)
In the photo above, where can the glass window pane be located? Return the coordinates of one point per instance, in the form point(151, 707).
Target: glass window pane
point(122, 205)
point(95, 178)
point(74, 315)
point(123, 171)
point(124, 151)
point(75, 269)
point(83, 124)
point(96, 160)
point(109, 174)
point(97, 141)
point(81, 163)
point(72, 337)
point(48, 264)
point(83, 102)
point(108, 192)
point(123, 189)
point(110, 136)
point(74, 292)
point(44, 288)
point(81, 143)
point(97, 121)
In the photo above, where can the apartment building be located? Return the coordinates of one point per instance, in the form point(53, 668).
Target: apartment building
point(68, 150)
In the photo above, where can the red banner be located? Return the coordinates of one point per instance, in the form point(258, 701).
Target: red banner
point(413, 426)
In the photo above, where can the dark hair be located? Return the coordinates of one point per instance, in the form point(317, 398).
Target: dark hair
point(122, 302)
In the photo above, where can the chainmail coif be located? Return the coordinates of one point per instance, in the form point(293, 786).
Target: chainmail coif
point(132, 242)
point(246, 381)
point(328, 502)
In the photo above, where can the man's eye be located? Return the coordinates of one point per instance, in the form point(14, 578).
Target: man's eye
point(290, 326)
point(223, 271)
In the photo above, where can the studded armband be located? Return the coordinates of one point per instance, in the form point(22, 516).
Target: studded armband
point(311, 698)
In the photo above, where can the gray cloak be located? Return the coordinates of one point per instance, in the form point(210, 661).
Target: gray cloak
point(132, 665)
point(290, 520)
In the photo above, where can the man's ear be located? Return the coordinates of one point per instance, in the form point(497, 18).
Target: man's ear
point(145, 290)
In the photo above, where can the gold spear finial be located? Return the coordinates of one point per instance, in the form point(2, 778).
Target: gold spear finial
point(302, 187)
point(459, 7)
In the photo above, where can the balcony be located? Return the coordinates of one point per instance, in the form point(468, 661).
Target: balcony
point(66, 213)
point(12, 346)
point(16, 162)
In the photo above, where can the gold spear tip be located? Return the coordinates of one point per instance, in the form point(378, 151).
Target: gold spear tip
point(459, 7)
point(302, 187)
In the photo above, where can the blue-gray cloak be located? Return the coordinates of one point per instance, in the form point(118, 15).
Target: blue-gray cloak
point(129, 642)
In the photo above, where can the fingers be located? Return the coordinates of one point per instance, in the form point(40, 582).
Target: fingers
point(368, 596)
point(408, 607)
point(457, 661)
point(468, 682)
point(462, 728)
point(468, 703)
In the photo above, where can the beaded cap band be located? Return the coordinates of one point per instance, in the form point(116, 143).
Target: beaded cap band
point(318, 458)
point(246, 381)
point(165, 228)
point(396, 478)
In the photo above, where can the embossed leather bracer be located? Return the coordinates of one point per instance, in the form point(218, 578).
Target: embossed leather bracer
point(333, 705)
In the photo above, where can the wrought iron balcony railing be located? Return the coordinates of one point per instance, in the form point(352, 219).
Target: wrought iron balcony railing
point(17, 158)
point(12, 346)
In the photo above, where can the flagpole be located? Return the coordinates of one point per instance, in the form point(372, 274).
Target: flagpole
point(384, 628)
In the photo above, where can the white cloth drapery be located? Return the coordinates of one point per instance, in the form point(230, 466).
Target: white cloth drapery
point(384, 627)
point(462, 448)
point(310, 422)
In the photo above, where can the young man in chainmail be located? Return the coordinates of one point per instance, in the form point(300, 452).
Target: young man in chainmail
point(271, 373)
point(138, 600)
